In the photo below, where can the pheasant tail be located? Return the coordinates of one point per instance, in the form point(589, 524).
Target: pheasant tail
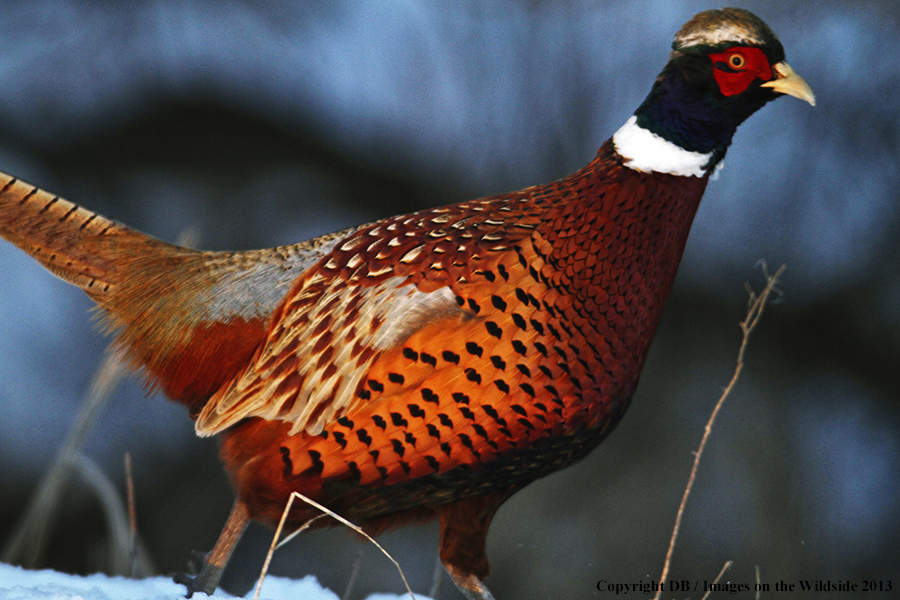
point(190, 320)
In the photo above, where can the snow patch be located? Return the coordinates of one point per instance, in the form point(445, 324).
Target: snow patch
point(17, 583)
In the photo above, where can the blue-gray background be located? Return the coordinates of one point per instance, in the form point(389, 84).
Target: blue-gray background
point(259, 124)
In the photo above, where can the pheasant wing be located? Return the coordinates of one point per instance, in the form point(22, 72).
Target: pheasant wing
point(376, 288)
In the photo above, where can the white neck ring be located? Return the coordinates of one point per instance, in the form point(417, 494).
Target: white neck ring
point(647, 152)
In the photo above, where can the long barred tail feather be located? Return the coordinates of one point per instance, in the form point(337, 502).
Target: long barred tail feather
point(188, 319)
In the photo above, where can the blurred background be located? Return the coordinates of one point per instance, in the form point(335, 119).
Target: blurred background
point(263, 123)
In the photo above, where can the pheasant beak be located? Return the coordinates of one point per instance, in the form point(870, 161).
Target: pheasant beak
point(790, 83)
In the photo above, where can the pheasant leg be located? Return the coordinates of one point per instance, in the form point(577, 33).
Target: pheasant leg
point(214, 562)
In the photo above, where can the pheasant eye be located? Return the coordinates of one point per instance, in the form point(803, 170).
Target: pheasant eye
point(737, 61)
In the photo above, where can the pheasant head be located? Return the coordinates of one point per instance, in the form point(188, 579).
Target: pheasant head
point(724, 66)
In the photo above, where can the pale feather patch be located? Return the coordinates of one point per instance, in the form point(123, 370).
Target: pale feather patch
point(249, 293)
point(647, 152)
point(410, 310)
point(723, 32)
point(725, 26)
point(251, 284)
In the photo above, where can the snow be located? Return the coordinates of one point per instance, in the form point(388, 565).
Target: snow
point(17, 583)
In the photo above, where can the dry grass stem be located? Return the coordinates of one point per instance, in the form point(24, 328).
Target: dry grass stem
point(132, 514)
point(754, 312)
point(299, 530)
point(725, 567)
point(332, 514)
point(437, 579)
point(354, 574)
point(113, 511)
point(27, 543)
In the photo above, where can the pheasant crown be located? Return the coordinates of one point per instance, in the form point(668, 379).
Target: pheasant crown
point(712, 28)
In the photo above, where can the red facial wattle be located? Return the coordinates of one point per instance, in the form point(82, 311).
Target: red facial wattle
point(736, 68)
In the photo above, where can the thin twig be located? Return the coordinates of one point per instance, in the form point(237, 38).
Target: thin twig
point(754, 313)
point(333, 515)
point(725, 567)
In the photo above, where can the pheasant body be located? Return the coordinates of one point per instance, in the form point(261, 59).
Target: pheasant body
point(531, 359)
point(426, 365)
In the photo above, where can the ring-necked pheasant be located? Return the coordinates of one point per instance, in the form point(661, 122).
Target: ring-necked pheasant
point(430, 364)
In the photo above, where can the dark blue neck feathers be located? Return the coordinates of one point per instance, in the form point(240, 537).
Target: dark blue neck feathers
point(686, 107)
